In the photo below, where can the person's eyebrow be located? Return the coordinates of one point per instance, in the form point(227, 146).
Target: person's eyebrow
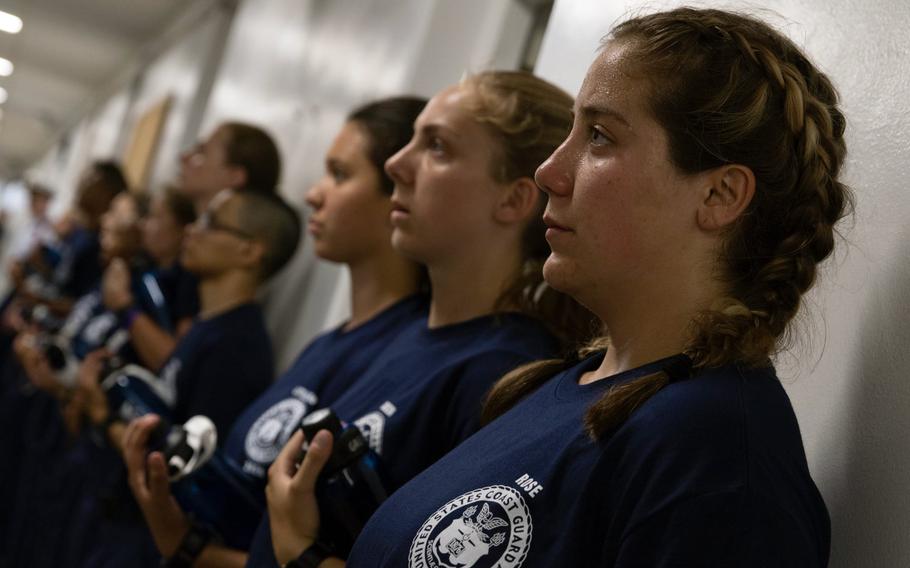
point(592, 111)
point(435, 129)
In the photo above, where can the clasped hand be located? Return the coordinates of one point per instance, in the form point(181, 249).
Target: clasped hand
point(291, 495)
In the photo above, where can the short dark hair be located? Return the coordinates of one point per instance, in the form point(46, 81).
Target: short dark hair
point(179, 206)
point(110, 176)
point(389, 125)
point(253, 149)
point(271, 220)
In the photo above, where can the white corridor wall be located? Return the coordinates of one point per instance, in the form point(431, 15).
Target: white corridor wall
point(850, 384)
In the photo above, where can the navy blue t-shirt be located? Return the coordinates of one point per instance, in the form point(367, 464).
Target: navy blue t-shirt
point(79, 267)
point(321, 374)
point(233, 490)
point(708, 472)
point(220, 366)
point(424, 394)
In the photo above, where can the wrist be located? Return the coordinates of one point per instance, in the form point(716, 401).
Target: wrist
point(313, 556)
point(195, 538)
point(99, 431)
point(127, 315)
point(292, 551)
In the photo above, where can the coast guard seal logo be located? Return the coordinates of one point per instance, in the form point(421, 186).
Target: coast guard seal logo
point(273, 429)
point(485, 528)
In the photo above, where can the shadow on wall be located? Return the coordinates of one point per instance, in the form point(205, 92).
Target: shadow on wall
point(871, 513)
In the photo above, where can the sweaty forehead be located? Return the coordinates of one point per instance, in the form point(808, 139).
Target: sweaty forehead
point(609, 83)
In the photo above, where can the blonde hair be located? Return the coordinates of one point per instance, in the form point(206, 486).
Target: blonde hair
point(530, 118)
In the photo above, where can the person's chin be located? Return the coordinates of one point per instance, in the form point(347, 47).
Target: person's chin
point(408, 247)
point(326, 252)
point(558, 273)
point(400, 240)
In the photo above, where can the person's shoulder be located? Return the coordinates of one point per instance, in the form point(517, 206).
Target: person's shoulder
point(720, 419)
point(242, 327)
point(246, 320)
point(520, 334)
point(709, 418)
point(711, 398)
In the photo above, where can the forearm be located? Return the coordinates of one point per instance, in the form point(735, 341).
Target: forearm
point(153, 344)
point(217, 556)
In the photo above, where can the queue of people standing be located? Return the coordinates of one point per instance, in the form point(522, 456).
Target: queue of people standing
point(563, 314)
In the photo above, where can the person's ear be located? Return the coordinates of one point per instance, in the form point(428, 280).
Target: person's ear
point(726, 195)
point(518, 201)
point(237, 178)
point(251, 254)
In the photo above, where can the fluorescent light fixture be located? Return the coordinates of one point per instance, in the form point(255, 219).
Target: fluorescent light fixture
point(6, 67)
point(9, 23)
point(3, 95)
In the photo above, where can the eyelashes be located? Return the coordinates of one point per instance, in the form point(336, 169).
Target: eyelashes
point(435, 144)
point(598, 137)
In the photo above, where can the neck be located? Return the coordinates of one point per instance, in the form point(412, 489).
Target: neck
point(470, 285)
point(202, 200)
point(652, 321)
point(377, 282)
point(223, 292)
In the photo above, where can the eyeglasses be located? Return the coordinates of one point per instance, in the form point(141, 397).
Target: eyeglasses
point(206, 222)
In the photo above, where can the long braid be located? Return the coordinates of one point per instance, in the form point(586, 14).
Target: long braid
point(769, 275)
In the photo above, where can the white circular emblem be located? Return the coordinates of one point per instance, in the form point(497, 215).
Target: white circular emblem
point(273, 429)
point(485, 528)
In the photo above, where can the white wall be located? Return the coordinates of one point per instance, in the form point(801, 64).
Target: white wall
point(179, 72)
point(298, 67)
point(849, 384)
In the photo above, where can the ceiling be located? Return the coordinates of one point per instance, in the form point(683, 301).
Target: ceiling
point(67, 55)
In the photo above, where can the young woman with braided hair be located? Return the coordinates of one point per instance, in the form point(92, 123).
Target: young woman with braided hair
point(689, 209)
